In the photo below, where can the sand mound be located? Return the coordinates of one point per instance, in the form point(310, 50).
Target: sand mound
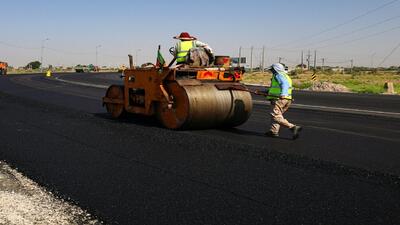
point(328, 87)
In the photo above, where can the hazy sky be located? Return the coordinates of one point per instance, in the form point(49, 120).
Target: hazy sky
point(340, 30)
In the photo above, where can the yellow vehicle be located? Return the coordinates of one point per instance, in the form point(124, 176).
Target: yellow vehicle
point(3, 68)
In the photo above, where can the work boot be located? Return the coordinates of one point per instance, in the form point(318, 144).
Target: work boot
point(271, 134)
point(296, 130)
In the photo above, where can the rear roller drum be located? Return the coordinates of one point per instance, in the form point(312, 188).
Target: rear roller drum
point(116, 94)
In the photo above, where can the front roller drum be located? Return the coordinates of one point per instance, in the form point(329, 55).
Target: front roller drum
point(114, 101)
point(204, 106)
point(175, 116)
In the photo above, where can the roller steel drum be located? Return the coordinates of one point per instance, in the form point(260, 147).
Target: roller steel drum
point(204, 106)
point(115, 92)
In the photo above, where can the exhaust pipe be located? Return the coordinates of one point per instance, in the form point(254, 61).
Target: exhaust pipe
point(130, 61)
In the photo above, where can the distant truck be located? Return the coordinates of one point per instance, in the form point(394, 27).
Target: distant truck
point(3, 68)
point(86, 69)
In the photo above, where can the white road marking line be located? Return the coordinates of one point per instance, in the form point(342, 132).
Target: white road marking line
point(36, 85)
point(82, 83)
point(354, 133)
point(295, 105)
point(337, 109)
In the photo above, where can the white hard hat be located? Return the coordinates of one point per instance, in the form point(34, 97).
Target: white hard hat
point(278, 67)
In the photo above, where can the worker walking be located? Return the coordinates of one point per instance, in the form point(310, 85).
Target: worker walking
point(280, 96)
point(185, 44)
point(48, 73)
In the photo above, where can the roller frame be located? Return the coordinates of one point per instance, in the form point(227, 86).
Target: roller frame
point(154, 84)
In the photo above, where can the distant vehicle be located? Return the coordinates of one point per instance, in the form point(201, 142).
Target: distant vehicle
point(86, 69)
point(3, 68)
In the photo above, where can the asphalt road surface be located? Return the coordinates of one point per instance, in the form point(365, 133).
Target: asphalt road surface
point(344, 169)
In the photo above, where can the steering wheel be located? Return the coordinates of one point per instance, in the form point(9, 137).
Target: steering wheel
point(172, 51)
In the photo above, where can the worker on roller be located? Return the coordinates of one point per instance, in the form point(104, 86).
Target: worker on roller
point(280, 96)
point(185, 44)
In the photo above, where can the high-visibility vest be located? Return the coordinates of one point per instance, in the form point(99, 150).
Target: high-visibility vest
point(275, 90)
point(182, 50)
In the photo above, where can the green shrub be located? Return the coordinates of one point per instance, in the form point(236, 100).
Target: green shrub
point(362, 87)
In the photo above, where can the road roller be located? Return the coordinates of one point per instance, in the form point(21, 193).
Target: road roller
point(182, 96)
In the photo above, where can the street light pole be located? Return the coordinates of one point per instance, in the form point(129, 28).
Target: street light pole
point(251, 58)
point(240, 55)
point(41, 54)
point(98, 46)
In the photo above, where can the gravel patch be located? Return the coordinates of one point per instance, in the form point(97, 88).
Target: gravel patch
point(24, 202)
point(327, 86)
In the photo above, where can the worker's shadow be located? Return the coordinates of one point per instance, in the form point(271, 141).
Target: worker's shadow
point(253, 133)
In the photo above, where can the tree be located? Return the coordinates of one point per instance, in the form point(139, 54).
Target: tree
point(33, 65)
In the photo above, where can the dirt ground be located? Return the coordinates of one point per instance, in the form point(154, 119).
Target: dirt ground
point(357, 82)
point(23, 202)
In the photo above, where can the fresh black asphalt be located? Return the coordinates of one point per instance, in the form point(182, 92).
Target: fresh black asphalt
point(344, 169)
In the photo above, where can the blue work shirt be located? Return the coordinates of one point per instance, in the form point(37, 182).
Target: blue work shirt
point(283, 83)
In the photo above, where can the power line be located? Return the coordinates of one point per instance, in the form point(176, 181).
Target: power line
point(57, 50)
point(343, 23)
point(390, 54)
point(17, 46)
point(83, 53)
point(69, 52)
point(282, 50)
point(351, 32)
point(361, 38)
point(337, 62)
point(113, 56)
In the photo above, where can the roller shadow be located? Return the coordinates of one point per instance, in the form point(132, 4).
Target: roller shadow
point(147, 121)
point(150, 121)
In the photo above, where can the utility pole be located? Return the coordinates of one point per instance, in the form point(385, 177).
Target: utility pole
point(251, 59)
point(302, 61)
point(315, 60)
point(323, 64)
point(262, 59)
point(351, 65)
point(240, 55)
point(308, 59)
point(280, 59)
point(41, 54)
point(98, 46)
